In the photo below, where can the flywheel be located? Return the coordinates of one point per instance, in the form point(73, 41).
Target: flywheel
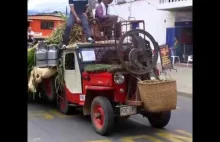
point(138, 51)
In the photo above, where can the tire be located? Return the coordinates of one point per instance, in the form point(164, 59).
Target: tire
point(50, 90)
point(36, 98)
point(104, 124)
point(30, 97)
point(159, 120)
point(41, 94)
point(63, 103)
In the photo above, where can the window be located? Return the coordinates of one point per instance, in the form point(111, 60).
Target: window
point(47, 24)
point(88, 55)
point(69, 61)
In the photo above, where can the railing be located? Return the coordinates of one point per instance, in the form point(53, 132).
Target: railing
point(169, 4)
point(170, 1)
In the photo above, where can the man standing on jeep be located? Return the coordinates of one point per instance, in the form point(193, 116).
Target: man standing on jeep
point(78, 15)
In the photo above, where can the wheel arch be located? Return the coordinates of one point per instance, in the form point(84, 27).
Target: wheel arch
point(91, 94)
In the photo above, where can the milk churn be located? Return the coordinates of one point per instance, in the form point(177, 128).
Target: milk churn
point(52, 55)
point(41, 55)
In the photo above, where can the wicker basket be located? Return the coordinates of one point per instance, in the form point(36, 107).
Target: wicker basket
point(158, 95)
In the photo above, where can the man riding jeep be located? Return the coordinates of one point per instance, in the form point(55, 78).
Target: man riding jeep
point(78, 15)
point(101, 13)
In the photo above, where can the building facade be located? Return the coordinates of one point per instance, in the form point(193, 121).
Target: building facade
point(43, 25)
point(163, 18)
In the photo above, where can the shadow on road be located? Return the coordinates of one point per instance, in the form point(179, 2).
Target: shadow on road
point(122, 128)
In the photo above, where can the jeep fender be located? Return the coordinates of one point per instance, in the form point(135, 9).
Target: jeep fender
point(93, 91)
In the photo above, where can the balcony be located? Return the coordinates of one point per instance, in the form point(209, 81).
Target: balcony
point(173, 5)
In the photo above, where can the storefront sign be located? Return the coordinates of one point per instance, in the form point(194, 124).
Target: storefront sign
point(165, 57)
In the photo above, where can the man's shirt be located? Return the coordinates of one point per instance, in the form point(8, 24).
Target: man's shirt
point(31, 33)
point(79, 5)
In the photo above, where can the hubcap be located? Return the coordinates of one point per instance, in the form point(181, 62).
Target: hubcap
point(98, 116)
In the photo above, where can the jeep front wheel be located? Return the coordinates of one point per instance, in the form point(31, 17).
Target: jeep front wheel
point(159, 120)
point(102, 115)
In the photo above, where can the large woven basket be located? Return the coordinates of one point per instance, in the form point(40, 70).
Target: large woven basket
point(158, 95)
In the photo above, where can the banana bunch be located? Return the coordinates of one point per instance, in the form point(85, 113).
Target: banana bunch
point(76, 34)
point(31, 58)
point(56, 35)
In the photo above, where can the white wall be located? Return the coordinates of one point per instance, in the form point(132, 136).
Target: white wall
point(154, 19)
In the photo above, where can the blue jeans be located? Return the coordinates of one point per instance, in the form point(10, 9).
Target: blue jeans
point(71, 22)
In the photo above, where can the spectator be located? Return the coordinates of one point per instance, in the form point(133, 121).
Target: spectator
point(177, 49)
point(104, 17)
point(30, 34)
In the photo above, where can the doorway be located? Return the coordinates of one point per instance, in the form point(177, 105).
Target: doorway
point(183, 33)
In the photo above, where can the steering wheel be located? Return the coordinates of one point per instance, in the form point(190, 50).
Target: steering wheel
point(136, 55)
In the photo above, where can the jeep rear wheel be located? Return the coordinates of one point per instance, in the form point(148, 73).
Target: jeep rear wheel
point(159, 120)
point(50, 89)
point(63, 103)
point(102, 115)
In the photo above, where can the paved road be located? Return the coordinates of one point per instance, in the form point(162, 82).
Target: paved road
point(45, 124)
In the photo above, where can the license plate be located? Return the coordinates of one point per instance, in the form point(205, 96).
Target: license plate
point(128, 110)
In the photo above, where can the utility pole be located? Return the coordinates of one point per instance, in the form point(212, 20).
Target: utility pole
point(66, 11)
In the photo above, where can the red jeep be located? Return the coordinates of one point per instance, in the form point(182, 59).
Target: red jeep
point(102, 78)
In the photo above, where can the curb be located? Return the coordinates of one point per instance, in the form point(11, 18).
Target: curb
point(188, 95)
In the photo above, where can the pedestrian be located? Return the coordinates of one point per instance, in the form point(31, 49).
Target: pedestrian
point(30, 34)
point(78, 10)
point(177, 49)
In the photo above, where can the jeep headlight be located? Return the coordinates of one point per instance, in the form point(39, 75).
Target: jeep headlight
point(119, 79)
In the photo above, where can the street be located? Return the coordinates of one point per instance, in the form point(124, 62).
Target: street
point(46, 124)
point(183, 77)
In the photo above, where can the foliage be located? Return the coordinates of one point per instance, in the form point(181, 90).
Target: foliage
point(103, 68)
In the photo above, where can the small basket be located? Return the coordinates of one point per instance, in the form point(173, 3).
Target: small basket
point(158, 95)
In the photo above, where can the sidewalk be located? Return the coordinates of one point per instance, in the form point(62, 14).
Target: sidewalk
point(183, 77)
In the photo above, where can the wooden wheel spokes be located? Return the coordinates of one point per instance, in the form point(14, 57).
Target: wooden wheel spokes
point(136, 53)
